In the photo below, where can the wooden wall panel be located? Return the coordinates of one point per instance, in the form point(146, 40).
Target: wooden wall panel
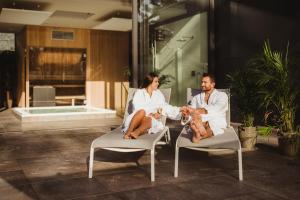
point(21, 60)
point(57, 64)
point(42, 36)
point(109, 56)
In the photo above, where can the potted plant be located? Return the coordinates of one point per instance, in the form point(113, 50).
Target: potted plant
point(243, 89)
point(278, 89)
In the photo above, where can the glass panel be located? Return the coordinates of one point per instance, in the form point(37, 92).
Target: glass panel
point(173, 41)
point(62, 68)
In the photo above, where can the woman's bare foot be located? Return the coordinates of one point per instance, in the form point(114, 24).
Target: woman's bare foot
point(127, 136)
point(134, 135)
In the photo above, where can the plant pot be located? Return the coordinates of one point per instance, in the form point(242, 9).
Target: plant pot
point(289, 145)
point(247, 136)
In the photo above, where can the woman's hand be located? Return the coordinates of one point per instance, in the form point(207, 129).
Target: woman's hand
point(186, 111)
point(155, 115)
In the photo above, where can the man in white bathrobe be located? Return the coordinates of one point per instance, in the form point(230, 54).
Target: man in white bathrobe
point(208, 110)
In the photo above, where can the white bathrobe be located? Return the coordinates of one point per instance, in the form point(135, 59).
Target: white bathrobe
point(142, 100)
point(216, 110)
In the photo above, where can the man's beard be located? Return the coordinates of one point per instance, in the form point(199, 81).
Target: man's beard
point(206, 89)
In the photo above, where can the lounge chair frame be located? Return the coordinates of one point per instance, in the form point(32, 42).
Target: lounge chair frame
point(113, 141)
point(229, 138)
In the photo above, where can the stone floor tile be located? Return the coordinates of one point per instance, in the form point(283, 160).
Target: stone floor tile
point(218, 187)
point(256, 195)
point(98, 197)
point(160, 192)
point(2, 130)
point(69, 188)
point(9, 165)
point(13, 178)
point(43, 169)
point(125, 181)
point(49, 159)
point(21, 192)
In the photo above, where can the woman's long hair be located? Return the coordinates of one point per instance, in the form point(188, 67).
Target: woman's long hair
point(149, 79)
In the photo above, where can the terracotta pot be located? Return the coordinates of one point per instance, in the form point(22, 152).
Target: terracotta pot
point(247, 136)
point(289, 146)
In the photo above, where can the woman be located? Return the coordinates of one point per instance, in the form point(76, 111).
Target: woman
point(148, 104)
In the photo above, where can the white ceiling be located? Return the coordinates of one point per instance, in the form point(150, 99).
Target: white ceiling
point(17, 16)
point(63, 13)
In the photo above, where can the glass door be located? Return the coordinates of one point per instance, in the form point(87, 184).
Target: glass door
point(173, 42)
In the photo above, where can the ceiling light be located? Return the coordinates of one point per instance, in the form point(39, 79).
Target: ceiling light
point(27, 17)
point(115, 24)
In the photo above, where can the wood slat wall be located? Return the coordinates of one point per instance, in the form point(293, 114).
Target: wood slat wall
point(107, 55)
point(41, 36)
point(57, 64)
point(20, 50)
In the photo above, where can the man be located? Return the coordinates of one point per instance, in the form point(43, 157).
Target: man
point(208, 110)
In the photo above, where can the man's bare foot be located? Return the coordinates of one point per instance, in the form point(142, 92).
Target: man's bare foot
point(196, 139)
point(198, 128)
point(196, 133)
point(202, 130)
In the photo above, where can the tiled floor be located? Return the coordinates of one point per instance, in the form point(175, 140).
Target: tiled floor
point(48, 160)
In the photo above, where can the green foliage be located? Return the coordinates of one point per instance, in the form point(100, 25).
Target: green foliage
point(276, 86)
point(264, 130)
point(243, 88)
point(126, 72)
point(165, 79)
point(298, 129)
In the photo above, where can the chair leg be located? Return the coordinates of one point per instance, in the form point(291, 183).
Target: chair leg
point(240, 164)
point(176, 161)
point(169, 136)
point(153, 164)
point(91, 162)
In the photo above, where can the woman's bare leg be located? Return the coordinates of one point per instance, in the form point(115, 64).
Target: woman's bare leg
point(135, 122)
point(144, 126)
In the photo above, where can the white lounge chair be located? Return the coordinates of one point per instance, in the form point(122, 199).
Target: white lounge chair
point(228, 140)
point(114, 141)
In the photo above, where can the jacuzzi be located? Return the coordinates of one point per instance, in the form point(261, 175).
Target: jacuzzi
point(58, 113)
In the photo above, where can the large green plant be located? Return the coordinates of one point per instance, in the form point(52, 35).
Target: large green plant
point(276, 86)
point(243, 88)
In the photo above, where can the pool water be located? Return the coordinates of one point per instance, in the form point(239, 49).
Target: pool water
point(62, 113)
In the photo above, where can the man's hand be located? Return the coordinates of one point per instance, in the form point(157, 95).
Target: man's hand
point(185, 111)
point(201, 111)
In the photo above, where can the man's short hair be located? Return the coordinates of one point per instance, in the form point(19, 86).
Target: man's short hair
point(211, 76)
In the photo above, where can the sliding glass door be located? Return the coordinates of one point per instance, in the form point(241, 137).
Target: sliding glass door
point(173, 42)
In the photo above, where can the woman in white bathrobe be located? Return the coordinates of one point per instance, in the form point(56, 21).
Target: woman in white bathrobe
point(148, 105)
